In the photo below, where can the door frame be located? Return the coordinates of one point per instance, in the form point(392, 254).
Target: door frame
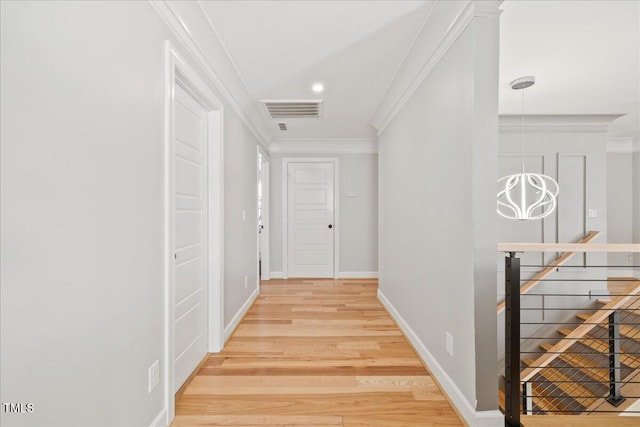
point(285, 210)
point(266, 232)
point(178, 70)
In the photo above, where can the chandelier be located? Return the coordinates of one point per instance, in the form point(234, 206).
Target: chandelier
point(526, 196)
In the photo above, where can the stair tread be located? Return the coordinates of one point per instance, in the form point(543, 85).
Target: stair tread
point(625, 330)
point(546, 404)
point(633, 308)
point(566, 384)
point(599, 345)
point(587, 366)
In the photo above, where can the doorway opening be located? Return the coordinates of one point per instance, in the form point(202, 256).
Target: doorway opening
point(263, 217)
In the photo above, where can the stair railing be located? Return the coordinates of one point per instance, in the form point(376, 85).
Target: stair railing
point(558, 262)
point(521, 393)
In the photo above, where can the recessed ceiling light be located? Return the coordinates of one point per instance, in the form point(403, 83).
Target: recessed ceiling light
point(317, 87)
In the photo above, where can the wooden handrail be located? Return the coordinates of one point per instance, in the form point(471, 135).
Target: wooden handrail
point(573, 337)
point(549, 269)
point(568, 247)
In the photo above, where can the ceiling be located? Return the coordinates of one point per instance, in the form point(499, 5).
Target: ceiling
point(584, 54)
point(354, 48)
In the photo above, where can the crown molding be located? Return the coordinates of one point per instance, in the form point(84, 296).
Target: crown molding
point(623, 144)
point(585, 123)
point(186, 28)
point(323, 146)
point(444, 23)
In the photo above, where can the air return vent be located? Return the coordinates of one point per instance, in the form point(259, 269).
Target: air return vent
point(293, 109)
point(282, 126)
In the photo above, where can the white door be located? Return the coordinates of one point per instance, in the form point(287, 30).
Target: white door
point(310, 231)
point(190, 284)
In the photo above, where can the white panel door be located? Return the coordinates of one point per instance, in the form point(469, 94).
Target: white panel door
point(190, 213)
point(310, 219)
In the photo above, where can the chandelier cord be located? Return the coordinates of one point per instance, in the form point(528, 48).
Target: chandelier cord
point(522, 132)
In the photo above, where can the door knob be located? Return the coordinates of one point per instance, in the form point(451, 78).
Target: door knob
point(330, 226)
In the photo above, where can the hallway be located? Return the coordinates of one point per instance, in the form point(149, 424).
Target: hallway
point(315, 353)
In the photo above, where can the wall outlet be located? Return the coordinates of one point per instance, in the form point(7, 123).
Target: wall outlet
point(246, 281)
point(154, 375)
point(449, 343)
point(593, 213)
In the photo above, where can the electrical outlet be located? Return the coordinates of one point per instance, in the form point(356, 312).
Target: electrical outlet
point(593, 213)
point(246, 281)
point(449, 343)
point(154, 375)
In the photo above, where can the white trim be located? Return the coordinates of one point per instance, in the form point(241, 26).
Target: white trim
point(177, 69)
point(450, 388)
point(423, 57)
point(358, 274)
point(161, 419)
point(228, 330)
point(180, 30)
point(587, 123)
point(489, 419)
point(617, 272)
point(285, 210)
point(622, 145)
point(323, 146)
point(265, 232)
point(276, 275)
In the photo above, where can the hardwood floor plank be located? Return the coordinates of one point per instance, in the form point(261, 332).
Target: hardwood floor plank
point(255, 420)
point(418, 420)
point(315, 353)
point(400, 403)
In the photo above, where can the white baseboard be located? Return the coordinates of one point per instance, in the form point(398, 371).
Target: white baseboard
point(228, 330)
point(358, 274)
point(276, 275)
point(489, 419)
point(161, 419)
point(464, 407)
point(616, 272)
point(342, 275)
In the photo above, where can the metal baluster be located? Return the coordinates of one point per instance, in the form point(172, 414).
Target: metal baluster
point(615, 375)
point(512, 341)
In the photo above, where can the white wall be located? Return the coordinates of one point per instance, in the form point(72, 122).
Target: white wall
point(620, 208)
point(358, 216)
point(240, 238)
point(438, 165)
point(572, 150)
point(636, 207)
point(82, 210)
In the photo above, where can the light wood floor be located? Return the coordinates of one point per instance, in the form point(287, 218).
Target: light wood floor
point(315, 353)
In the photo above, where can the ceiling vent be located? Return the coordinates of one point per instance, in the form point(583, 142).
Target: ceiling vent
point(282, 126)
point(293, 109)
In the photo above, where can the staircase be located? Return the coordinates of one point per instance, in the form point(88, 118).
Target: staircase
point(571, 373)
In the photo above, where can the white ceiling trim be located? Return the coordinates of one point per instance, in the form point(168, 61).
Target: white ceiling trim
point(586, 123)
point(445, 22)
point(323, 146)
point(622, 145)
point(232, 89)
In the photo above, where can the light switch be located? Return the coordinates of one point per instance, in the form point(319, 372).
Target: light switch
point(352, 193)
point(244, 216)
